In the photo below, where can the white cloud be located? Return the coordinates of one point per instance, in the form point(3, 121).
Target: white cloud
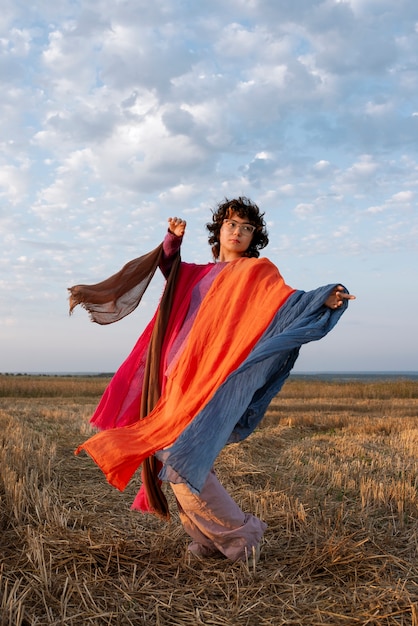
point(403, 197)
point(375, 209)
point(378, 108)
point(304, 210)
point(179, 194)
point(322, 165)
point(14, 182)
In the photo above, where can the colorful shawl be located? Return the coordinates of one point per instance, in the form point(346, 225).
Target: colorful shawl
point(241, 348)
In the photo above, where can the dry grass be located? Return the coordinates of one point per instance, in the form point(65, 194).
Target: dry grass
point(333, 471)
point(26, 386)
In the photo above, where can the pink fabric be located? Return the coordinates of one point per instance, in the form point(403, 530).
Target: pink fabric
point(121, 401)
point(141, 502)
point(215, 521)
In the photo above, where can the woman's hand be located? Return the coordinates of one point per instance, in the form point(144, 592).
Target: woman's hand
point(176, 226)
point(337, 297)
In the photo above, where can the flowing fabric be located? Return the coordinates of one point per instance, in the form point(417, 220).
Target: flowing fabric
point(112, 299)
point(240, 402)
point(241, 348)
point(229, 323)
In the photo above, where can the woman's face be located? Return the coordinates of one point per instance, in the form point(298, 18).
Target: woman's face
point(235, 237)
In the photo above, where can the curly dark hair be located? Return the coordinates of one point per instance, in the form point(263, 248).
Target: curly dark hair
point(246, 209)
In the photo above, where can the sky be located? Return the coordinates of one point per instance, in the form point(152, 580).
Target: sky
point(116, 115)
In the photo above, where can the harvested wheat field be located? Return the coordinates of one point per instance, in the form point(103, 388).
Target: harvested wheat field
point(333, 470)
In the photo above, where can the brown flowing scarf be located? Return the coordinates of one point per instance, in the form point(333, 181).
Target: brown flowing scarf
point(117, 296)
point(151, 392)
point(111, 300)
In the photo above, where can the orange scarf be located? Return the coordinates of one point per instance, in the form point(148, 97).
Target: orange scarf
point(236, 311)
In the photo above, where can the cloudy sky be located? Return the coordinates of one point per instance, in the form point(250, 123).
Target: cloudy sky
point(116, 115)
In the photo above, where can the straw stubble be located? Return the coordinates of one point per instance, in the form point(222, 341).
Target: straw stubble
point(336, 486)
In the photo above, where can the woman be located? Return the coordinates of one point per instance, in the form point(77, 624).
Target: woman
point(220, 347)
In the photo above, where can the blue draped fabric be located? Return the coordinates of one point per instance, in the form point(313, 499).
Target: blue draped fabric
point(240, 402)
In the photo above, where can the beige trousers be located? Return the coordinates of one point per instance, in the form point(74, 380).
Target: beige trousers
point(215, 522)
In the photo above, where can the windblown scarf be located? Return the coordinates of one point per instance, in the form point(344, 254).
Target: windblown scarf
point(117, 296)
point(242, 346)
